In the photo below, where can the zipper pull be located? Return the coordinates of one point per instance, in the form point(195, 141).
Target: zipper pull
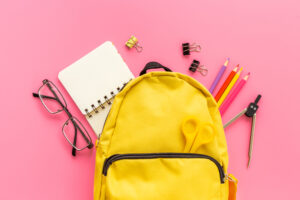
point(229, 178)
point(232, 182)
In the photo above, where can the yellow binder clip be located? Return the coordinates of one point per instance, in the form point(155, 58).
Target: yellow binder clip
point(133, 42)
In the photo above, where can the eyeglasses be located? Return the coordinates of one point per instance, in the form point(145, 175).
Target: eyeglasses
point(54, 102)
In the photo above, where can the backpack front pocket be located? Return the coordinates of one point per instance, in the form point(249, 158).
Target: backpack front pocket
point(165, 176)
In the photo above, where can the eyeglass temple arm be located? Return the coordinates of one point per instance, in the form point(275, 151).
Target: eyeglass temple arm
point(74, 142)
point(43, 96)
point(81, 132)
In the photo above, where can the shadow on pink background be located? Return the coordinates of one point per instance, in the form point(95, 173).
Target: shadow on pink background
point(39, 38)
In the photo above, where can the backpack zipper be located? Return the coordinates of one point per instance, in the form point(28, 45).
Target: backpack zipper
point(117, 157)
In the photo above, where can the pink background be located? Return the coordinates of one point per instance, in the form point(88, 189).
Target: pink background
point(40, 38)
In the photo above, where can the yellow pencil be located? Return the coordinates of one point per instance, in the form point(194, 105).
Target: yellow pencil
point(230, 86)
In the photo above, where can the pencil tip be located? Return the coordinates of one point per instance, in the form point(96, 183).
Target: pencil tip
point(247, 76)
point(236, 68)
point(226, 62)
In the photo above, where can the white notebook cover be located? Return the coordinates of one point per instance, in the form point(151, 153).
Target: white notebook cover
point(93, 77)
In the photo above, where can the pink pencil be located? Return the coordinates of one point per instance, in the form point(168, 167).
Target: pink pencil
point(233, 94)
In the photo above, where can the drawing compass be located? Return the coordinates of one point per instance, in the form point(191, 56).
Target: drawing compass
point(250, 112)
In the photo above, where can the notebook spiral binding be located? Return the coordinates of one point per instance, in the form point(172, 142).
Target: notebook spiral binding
point(107, 99)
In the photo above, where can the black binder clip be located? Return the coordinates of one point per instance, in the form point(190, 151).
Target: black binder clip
point(187, 48)
point(195, 66)
point(250, 111)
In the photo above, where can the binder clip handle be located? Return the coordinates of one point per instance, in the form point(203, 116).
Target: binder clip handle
point(138, 47)
point(203, 70)
point(195, 47)
point(187, 48)
point(253, 107)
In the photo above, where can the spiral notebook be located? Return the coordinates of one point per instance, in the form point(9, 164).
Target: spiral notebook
point(94, 80)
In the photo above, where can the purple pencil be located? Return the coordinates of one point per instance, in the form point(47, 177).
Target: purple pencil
point(219, 76)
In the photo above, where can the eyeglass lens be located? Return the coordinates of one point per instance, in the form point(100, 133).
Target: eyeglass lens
point(76, 134)
point(51, 98)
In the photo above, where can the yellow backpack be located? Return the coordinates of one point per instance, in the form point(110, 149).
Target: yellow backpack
point(163, 139)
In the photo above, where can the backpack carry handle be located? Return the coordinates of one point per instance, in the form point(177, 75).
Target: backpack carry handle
point(153, 65)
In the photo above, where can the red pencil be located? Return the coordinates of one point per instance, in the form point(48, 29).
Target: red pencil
point(233, 94)
point(226, 83)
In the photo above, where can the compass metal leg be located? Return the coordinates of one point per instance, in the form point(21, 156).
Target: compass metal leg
point(236, 117)
point(251, 138)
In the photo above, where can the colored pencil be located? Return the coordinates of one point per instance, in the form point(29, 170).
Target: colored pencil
point(219, 76)
point(230, 86)
point(226, 83)
point(233, 94)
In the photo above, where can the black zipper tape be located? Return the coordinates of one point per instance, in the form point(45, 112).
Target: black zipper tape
point(117, 157)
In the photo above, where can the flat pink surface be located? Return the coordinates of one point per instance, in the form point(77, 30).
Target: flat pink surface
point(40, 38)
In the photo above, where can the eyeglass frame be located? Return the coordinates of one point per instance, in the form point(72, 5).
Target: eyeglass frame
point(70, 116)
